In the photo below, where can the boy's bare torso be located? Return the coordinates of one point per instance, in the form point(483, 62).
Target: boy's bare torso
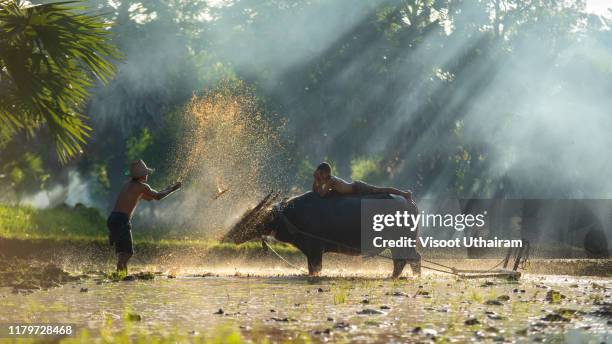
point(324, 185)
point(332, 184)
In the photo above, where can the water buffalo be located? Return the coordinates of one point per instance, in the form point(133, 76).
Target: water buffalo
point(316, 225)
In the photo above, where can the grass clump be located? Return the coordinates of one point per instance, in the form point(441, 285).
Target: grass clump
point(340, 293)
point(116, 276)
point(63, 221)
point(250, 249)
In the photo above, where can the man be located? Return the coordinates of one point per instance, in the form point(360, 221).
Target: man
point(325, 182)
point(119, 226)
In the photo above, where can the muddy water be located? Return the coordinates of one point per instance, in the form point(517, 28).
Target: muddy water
point(283, 307)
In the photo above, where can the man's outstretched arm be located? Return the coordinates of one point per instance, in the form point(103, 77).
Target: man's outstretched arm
point(150, 194)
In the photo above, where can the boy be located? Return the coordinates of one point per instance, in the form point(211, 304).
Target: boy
point(325, 182)
point(119, 226)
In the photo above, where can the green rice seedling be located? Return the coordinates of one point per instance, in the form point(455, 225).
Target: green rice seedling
point(341, 293)
point(475, 296)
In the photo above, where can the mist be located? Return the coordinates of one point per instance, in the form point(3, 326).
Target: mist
point(485, 99)
point(532, 105)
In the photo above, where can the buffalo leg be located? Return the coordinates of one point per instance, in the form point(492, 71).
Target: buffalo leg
point(315, 262)
point(400, 258)
point(415, 265)
point(398, 267)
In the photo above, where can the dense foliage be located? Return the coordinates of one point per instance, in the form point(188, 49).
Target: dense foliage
point(489, 98)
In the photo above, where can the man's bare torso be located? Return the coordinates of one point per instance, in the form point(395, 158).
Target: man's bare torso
point(130, 194)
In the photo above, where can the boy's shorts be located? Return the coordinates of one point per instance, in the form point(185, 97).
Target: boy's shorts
point(361, 188)
point(120, 232)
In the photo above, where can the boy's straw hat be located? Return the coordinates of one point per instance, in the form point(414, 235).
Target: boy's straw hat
point(139, 169)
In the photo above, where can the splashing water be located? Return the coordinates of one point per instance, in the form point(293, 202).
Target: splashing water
point(231, 153)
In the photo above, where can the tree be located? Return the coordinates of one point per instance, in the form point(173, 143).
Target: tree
point(50, 55)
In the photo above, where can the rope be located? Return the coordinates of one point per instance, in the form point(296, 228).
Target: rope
point(438, 270)
point(281, 257)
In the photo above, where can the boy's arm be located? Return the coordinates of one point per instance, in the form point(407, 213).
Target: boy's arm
point(149, 194)
point(323, 190)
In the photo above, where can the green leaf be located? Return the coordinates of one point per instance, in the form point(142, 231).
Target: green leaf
point(50, 55)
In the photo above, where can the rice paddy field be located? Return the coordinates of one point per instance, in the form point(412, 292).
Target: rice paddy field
point(205, 292)
point(262, 301)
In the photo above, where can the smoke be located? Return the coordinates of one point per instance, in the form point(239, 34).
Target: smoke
point(553, 131)
point(77, 190)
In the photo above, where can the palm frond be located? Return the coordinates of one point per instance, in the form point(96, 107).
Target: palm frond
point(50, 55)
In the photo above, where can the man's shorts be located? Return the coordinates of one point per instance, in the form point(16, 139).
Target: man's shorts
point(120, 232)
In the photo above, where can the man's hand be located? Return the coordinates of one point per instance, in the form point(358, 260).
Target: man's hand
point(176, 186)
point(150, 194)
